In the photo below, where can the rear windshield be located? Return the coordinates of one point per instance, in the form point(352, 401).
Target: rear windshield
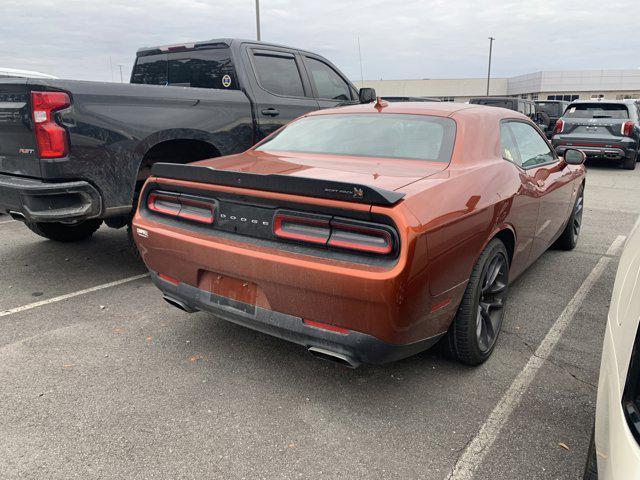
point(553, 109)
point(597, 110)
point(415, 137)
point(211, 68)
point(493, 102)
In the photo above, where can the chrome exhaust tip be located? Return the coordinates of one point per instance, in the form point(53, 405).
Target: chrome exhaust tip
point(17, 216)
point(179, 304)
point(334, 357)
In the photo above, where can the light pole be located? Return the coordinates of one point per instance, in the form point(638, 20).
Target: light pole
point(360, 57)
point(491, 39)
point(258, 19)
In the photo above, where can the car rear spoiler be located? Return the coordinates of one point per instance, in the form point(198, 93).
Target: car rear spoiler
point(308, 187)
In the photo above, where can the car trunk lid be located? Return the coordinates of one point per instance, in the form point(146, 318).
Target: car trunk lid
point(595, 128)
point(387, 174)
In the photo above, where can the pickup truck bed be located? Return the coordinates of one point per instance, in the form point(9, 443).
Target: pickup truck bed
point(111, 127)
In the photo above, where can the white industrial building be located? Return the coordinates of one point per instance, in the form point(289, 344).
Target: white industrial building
point(545, 85)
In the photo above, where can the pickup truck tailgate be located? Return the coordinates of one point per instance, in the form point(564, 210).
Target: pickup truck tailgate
point(18, 154)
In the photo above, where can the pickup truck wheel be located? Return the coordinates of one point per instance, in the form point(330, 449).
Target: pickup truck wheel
point(475, 328)
point(568, 239)
point(132, 243)
point(65, 232)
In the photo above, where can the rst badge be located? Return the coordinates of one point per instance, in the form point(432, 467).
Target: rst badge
point(26, 151)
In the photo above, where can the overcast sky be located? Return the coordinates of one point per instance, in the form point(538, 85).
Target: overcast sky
point(399, 39)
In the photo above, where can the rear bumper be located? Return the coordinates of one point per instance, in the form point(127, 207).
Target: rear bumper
point(613, 150)
point(39, 201)
point(356, 346)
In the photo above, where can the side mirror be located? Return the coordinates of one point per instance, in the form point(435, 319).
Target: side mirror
point(574, 157)
point(367, 95)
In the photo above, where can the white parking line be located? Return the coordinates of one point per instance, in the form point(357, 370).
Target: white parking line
point(4, 313)
point(7, 221)
point(478, 448)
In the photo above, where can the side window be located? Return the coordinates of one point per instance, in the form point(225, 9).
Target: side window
point(210, 68)
point(329, 84)
point(150, 70)
point(279, 74)
point(532, 148)
point(508, 144)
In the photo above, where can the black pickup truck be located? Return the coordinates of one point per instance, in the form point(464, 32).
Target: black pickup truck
point(74, 153)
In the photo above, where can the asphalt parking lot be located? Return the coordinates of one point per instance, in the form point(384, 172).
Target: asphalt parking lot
point(112, 382)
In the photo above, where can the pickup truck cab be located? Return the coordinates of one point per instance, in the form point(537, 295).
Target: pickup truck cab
point(75, 153)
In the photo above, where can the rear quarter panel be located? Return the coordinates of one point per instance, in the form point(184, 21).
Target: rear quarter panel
point(463, 207)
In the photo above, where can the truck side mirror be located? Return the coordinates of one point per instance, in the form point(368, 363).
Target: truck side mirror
point(367, 95)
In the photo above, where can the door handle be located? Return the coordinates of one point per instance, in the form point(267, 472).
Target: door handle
point(270, 112)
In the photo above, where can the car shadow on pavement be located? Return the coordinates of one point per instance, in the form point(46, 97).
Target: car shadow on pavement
point(603, 164)
point(37, 267)
point(249, 350)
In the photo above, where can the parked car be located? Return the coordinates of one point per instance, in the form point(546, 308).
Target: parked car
point(411, 99)
point(75, 153)
point(608, 129)
point(365, 233)
point(614, 453)
point(554, 110)
point(524, 106)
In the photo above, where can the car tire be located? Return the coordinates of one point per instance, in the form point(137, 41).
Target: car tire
point(132, 242)
point(629, 163)
point(474, 331)
point(591, 467)
point(65, 232)
point(568, 239)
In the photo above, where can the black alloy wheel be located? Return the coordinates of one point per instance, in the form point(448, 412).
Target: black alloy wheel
point(491, 302)
point(473, 333)
point(577, 216)
point(568, 239)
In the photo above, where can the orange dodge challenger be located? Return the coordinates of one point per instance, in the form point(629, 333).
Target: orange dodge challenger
point(365, 233)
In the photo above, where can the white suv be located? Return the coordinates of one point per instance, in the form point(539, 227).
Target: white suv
point(615, 446)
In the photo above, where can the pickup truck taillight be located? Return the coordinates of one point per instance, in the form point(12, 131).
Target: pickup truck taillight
point(339, 233)
point(559, 127)
point(627, 128)
point(50, 137)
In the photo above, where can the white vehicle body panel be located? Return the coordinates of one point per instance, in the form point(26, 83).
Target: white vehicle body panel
point(618, 452)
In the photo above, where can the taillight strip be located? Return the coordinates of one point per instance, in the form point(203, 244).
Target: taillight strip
point(336, 241)
point(174, 205)
point(318, 237)
point(336, 233)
